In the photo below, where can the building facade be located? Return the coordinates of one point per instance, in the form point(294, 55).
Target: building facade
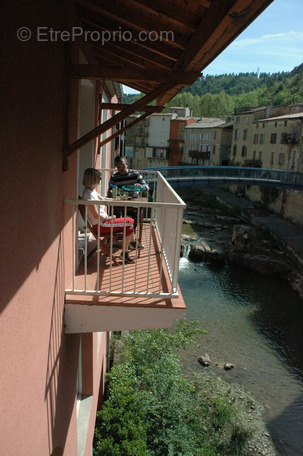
point(269, 137)
point(176, 138)
point(202, 141)
point(52, 375)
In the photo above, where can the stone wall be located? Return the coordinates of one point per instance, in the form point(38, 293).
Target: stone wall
point(293, 206)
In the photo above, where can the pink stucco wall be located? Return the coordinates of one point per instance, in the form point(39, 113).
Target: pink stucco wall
point(38, 361)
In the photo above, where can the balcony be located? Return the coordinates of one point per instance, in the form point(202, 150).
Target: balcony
point(199, 155)
point(143, 295)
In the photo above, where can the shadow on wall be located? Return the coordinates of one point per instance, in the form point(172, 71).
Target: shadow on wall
point(62, 363)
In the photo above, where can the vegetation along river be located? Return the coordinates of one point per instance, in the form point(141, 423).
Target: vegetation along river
point(254, 322)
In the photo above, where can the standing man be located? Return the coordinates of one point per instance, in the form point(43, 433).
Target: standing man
point(123, 177)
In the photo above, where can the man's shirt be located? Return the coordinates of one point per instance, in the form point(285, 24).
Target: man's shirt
point(131, 178)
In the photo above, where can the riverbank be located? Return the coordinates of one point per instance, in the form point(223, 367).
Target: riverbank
point(253, 319)
point(153, 407)
point(287, 237)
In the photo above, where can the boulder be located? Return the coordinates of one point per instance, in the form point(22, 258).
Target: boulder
point(228, 366)
point(263, 264)
point(201, 251)
point(204, 359)
point(266, 265)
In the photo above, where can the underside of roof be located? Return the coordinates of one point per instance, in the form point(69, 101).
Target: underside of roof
point(158, 46)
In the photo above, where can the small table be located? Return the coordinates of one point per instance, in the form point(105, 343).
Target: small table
point(140, 219)
point(141, 216)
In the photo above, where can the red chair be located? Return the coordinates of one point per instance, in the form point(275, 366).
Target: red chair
point(104, 239)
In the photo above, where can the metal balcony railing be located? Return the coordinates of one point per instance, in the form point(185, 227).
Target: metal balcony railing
point(155, 272)
point(217, 175)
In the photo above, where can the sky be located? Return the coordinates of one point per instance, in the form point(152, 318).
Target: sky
point(272, 43)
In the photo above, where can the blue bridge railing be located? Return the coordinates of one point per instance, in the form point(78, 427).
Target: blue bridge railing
point(179, 176)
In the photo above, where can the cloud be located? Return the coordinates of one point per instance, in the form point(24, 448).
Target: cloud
point(277, 38)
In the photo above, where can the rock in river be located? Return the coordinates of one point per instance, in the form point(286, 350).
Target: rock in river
point(204, 359)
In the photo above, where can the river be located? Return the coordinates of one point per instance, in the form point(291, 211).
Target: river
point(255, 323)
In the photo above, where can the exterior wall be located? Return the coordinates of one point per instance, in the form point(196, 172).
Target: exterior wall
point(176, 139)
point(290, 208)
point(225, 146)
point(275, 153)
point(253, 140)
point(159, 128)
point(39, 363)
point(242, 139)
point(200, 140)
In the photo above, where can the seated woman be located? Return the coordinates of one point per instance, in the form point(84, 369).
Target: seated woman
point(91, 180)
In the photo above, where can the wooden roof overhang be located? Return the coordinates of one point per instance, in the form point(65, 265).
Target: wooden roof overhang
point(156, 47)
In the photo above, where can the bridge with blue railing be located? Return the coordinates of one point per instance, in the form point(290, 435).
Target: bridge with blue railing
point(184, 176)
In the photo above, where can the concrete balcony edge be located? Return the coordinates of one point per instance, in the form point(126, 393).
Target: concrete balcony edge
point(81, 318)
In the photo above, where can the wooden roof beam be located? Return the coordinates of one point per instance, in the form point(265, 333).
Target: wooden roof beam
point(120, 106)
point(134, 55)
point(107, 36)
point(122, 130)
point(216, 13)
point(131, 109)
point(182, 17)
point(236, 13)
point(131, 19)
point(91, 71)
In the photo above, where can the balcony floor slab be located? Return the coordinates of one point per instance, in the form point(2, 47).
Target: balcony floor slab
point(88, 311)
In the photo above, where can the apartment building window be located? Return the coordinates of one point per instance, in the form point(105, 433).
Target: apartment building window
point(254, 154)
point(244, 134)
point(256, 138)
point(181, 135)
point(260, 155)
point(273, 138)
point(262, 139)
point(237, 119)
point(276, 123)
point(185, 136)
point(234, 150)
point(197, 135)
point(182, 126)
point(185, 150)
point(215, 134)
point(285, 123)
point(236, 134)
point(214, 149)
point(263, 125)
point(202, 136)
point(281, 159)
point(244, 151)
point(272, 158)
point(208, 136)
point(246, 119)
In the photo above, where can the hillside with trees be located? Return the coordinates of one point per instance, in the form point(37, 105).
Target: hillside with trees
point(224, 95)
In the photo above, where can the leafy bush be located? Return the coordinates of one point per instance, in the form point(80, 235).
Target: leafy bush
point(152, 409)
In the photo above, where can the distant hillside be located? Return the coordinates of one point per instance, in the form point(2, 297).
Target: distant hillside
point(224, 95)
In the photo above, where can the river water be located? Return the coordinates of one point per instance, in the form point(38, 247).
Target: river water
point(256, 323)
